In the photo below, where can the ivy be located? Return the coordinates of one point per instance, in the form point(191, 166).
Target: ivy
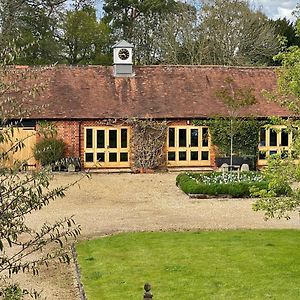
point(245, 138)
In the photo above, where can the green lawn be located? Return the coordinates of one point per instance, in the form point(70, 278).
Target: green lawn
point(257, 264)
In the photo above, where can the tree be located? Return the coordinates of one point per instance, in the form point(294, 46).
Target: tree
point(237, 35)
point(140, 23)
point(34, 23)
point(286, 29)
point(22, 194)
point(84, 37)
point(235, 100)
point(282, 170)
point(181, 38)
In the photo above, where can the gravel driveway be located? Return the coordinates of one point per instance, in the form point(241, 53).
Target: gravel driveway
point(109, 203)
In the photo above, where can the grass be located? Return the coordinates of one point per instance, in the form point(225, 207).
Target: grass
point(249, 264)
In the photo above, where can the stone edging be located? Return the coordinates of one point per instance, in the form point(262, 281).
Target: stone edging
point(78, 275)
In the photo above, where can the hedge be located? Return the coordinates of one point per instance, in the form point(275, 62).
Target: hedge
point(235, 189)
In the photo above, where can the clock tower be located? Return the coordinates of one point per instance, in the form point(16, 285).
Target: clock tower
point(123, 59)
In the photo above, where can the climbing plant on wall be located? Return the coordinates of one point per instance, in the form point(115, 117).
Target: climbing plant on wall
point(147, 143)
point(246, 138)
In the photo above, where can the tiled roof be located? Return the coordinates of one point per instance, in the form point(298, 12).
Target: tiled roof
point(93, 92)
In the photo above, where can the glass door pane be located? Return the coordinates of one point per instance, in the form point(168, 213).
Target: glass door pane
point(113, 138)
point(205, 137)
point(89, 138)
point(100, 139)
point(171, 137)
point(273, 137)
point(194, 137)
point(262, 137)
point(182, 137)
point(123, 138)
point(284, 137)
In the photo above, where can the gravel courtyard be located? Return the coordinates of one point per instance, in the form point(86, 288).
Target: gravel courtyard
point(109, 203)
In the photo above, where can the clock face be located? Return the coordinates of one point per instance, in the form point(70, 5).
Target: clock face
point(123, 54)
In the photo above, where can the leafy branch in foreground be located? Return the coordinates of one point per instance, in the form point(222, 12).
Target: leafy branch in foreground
point(22, 248)
point(282, 173)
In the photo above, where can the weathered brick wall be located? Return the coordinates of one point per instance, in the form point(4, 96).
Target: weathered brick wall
point(72, 133)
point(68, 131)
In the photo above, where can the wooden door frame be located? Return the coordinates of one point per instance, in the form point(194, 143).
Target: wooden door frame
point(106, 150)
point(188, 149)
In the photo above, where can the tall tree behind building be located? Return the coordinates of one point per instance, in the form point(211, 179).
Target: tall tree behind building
point(235, 34)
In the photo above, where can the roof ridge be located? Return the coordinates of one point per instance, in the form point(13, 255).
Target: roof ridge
point(65, 66)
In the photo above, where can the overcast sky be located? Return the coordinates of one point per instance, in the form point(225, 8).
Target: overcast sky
point(277, 8)
point(273, 8)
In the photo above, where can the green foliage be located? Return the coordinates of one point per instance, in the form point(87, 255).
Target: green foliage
point(12, 292)
point(245, 138)
point(22, 194)
point(282, 174)
point(235, 34)
point(33, 24)
point(125, 14)
point(226, 264)
point(189, 185)
point(49, 150)
point(286, 170)
point(84, 38)
point(229, 133)
point(287, 29)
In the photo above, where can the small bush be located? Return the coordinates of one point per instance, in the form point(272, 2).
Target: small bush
point(49, 150)
point(191, 183)
point(12, 292)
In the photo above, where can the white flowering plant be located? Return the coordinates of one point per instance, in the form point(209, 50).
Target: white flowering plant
point(226, 177)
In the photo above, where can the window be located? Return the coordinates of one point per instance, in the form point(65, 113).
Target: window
point(204, 155)
point(100, 139)
point(124, 138)
point(172, 156)
point(182, 137)
point(273, 137)
point(194, 155)
point(284, 137)
point(274, 140)
point(205, 137)
point(194, 137)
point(89, 157)
point(89, 138)
point(106, 146)
point(262, 137)
point(171, 137)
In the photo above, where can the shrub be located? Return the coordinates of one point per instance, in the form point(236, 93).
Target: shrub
point(209, 184)
point(12, 292)
point(49, 150)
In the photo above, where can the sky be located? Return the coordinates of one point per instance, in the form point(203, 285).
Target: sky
point(272, 8)
point(277, 8)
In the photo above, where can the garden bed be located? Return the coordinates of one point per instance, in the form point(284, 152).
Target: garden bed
point(229, 184)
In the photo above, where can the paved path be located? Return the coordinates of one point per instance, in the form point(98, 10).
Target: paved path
point(109, 203)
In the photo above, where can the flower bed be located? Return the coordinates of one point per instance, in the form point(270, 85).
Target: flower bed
point(216, 184)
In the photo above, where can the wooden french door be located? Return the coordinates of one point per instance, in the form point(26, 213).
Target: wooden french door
point(106, 147)
point(188, 146)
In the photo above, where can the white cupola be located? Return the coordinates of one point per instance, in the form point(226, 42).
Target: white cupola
point(123, 59)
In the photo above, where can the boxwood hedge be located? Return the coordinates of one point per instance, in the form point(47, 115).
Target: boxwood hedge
point(189, 185)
